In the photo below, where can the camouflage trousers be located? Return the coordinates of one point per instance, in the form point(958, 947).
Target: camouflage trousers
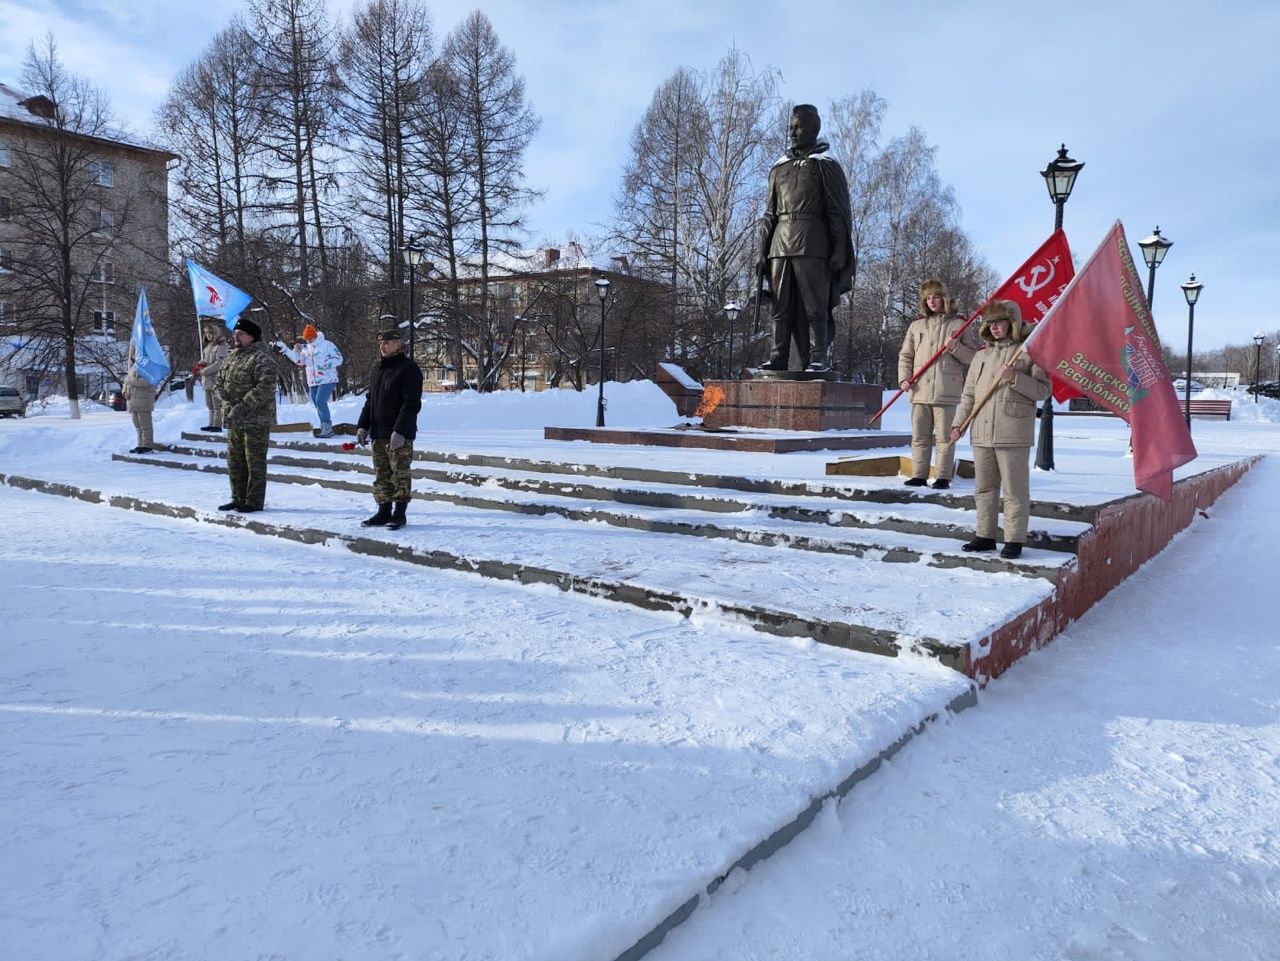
point(391, 471)
point(247, 464)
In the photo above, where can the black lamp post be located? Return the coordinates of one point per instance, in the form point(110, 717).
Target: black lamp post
point(602, 291)
point(1191, 290)
point(1153, 250)
point(731, 311)
point(1060, 178)
point(412, 257)
point(1258, 338)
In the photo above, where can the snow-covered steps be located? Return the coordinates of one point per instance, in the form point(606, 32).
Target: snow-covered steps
point(1080, 513)
point(847, 601)
point(948, 520)
point(770, 520)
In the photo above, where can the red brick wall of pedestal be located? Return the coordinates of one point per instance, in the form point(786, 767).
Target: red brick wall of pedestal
point(1125, 535)
point(794, 404)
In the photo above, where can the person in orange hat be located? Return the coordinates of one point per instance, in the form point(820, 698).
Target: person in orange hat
point(320, 358)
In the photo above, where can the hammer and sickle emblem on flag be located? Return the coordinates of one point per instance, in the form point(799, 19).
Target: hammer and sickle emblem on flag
point(1041, 275)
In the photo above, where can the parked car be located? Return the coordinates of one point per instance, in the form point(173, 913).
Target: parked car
point(1180, 386)
point(113, 397)
point(11, 402)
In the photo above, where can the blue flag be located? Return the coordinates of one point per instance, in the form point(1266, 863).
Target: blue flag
point(215, 297)
point(148, 355)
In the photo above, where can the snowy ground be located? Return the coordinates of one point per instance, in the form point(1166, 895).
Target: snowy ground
point(214, 745)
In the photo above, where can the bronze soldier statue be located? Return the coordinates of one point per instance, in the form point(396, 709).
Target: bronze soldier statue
point(806, 246)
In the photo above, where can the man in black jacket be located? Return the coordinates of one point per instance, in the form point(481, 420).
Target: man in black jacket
point(390, 418)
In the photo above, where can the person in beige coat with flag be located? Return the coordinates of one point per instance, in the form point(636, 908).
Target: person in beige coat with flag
point(1001, 391)
point(936, 392)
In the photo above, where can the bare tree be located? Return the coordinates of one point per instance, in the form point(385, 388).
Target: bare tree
point(497, 125)
point(383, 60)
point(213, 120)
point(294, 46)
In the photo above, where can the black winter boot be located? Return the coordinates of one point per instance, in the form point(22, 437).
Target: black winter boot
point(398, 519)
point(381, 517)
point(942, 483)
point(1011, 551)
point(979, 544)
point(915, 481)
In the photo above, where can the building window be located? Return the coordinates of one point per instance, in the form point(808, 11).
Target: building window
point(6, 208)
point(6, 260)
point(6, 157)
point(102, 173)
point(106, 223)
point(106, 272)
point(104, 322)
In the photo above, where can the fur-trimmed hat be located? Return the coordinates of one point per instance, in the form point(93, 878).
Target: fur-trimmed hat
point(249, 327)
point(1003, 310)
point(309, 333)
point(389, 335)
point(934, 286)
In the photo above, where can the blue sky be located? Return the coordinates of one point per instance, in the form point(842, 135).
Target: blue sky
point(1171, 106)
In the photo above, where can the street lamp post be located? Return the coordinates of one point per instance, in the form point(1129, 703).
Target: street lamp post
point(1191, 290)
point(1060, 178)
point(602, 291)
point(731, 311)
point(1153, 250)
point(412, 257)
point(1258, 338)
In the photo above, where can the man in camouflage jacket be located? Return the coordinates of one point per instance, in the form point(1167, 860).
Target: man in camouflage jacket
point(247, 386)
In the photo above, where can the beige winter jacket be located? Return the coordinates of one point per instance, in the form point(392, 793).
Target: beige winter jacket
point(212, 357)
point(139, 395)
point(944, 381)
point(1008, 418)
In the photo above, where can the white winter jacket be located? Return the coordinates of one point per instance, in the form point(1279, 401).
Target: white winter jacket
point(320, 358)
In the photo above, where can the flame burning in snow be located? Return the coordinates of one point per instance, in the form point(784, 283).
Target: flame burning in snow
point(712, 397)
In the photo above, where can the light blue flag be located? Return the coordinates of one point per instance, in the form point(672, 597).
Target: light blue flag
point(215, 297)
point(148, 355)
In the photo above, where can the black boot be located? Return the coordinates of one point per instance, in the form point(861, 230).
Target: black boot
point(942, 483)
point(398, 520)
point(1011, 551)
point(980, 544)
point(381, 517)
point(915, 481)
point(229, 506)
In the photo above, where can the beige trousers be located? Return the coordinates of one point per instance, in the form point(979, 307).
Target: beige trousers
point(930, 428)
point(214, 403)
point(142, 424)
point(1010, 466)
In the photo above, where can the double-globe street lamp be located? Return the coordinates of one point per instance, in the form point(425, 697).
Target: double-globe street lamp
point(1191, 290)
point(1258, 338)
point(602, 291)
point(731, 311)
point(1060, 178)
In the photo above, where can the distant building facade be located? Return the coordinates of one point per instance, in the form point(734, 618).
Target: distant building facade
point(116, 211)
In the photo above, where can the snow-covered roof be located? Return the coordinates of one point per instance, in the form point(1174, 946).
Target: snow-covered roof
point(18, 107)
point(541, 260)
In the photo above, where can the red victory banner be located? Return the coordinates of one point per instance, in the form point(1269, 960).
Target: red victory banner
point(1036, 287)
point(1100, 337)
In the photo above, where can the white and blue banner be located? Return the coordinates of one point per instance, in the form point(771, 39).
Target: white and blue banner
point(215, 297)
point(148, 355)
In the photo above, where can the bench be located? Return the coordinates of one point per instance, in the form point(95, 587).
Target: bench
point(1207, 408)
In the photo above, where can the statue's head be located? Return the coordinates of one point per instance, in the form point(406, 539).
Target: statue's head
point(805, 124)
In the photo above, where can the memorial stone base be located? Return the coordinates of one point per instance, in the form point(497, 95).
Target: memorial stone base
point(778, 404)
